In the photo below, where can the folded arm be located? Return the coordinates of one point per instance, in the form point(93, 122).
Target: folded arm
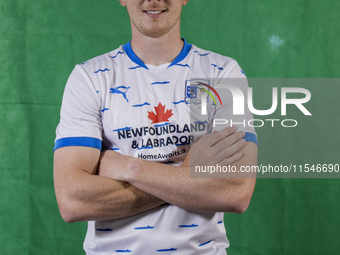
point(126, 186)
point(174, 185)
point(82, 195)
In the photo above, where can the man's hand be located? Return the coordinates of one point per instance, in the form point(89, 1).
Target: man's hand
point(220, 147)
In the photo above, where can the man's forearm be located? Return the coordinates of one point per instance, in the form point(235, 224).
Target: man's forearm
point(83, 196)
point(175, 186)
point(109, 200)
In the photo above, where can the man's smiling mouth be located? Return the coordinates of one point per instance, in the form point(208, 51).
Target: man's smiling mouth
point(154, 12)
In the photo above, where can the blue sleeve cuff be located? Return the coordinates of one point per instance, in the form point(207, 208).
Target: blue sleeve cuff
point(251, 137)
point(78, 141)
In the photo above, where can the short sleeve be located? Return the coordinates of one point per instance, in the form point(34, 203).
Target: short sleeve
point(80, 115)
point(232, 89)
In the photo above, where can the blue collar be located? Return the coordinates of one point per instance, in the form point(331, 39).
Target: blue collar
point(134, 58)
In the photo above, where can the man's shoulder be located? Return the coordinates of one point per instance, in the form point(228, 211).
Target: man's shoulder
point(211, 54)
point(215, 64)
point(212, 57)
point(102, 63)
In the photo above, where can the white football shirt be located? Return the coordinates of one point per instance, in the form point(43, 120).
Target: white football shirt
point(116, 102)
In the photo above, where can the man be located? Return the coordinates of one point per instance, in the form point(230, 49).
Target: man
point(130, 103)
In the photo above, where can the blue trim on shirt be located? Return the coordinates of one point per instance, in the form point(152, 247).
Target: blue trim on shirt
point(251, 137)
point(182, 55)
point(78, 141)
point(134, 58)
point(131, 54)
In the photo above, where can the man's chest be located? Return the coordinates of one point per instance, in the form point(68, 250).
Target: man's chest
point(147, 116)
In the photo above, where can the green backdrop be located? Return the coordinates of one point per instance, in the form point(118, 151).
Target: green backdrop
point(42, 40)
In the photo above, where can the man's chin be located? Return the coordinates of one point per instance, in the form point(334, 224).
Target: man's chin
point(155, 33)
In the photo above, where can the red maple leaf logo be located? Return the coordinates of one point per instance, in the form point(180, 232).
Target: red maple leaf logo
point(160, 114)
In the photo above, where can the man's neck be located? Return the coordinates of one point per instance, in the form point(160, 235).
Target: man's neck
point(157, 51)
